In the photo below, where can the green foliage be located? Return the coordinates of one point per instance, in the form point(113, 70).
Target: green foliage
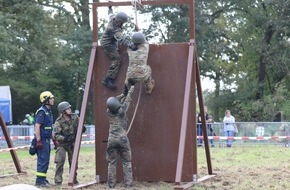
point(42, 49)
point(169, 23)
point(243, 46)
point(256, 63)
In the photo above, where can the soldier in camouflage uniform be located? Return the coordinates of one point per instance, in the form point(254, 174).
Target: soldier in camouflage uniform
point(118, 142)
point(138, 70)
point(111, 39)
point(65, 128)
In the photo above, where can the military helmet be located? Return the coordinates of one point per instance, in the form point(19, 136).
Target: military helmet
point(121, 17)
point(44, 96)
point(138, 38)
point(113, 104)
point(63, 106)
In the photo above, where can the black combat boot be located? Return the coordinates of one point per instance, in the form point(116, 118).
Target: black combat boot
point(108, 82)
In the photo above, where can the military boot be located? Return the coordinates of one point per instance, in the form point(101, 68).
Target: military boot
point(108, 82)
point(150, 87)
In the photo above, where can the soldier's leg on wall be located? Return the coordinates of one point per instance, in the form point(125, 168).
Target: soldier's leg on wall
point(115, 65)
point(148, 81)
point(113, 69)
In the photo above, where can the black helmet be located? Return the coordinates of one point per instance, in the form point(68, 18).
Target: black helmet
point(113, 104)
point(138, 38)
point(121, 18)
point(63, 106)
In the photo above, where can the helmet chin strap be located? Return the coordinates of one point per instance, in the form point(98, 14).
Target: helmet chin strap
point(46, 102)
point(67, 114)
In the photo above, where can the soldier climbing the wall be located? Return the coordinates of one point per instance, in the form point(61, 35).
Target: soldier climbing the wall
point(138, 70)
point(111, 39)
point(118, 142)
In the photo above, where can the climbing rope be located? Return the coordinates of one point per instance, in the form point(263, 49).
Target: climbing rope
point(136, 107)
point(137, 4)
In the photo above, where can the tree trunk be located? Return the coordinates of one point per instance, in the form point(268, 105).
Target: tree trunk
point(216, 108)
point(263, 61)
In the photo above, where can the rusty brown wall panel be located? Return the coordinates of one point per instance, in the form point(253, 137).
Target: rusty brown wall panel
point(154, 136)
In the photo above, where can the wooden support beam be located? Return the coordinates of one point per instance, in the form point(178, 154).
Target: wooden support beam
point(190, 184)
point(10, 144)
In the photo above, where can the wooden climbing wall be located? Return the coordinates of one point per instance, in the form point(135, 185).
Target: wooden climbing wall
point(155, 132)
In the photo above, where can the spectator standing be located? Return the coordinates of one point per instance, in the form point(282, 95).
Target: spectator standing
point(31, 121)
point(31, 118)
point(199, 126)
point(25, 130)
point(43, 135)
point(278, 117)
point(229, 127)
point(26, 120)
point(210, 130)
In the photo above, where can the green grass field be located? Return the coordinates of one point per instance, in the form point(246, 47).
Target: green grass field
point(239, 168)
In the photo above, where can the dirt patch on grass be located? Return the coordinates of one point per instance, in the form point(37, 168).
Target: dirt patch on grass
point(239, 168)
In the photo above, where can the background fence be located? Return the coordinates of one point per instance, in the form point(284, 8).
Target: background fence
point(249, 133)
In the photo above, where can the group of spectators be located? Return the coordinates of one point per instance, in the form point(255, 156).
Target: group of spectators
point(229, 128)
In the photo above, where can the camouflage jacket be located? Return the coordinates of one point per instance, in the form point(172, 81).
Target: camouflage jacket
point(113, 36)
point(138, 60)
point(118, 121)
point(65, 130)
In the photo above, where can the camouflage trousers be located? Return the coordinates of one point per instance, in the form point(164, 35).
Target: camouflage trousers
point(140, 74)
point(115, 63)
point(119, 146)
point(59, 160)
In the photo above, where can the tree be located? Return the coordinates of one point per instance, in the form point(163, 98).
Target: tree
point(38, 53)
point(26, 67)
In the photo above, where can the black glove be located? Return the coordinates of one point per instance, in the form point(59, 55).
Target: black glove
point(32, 149)
point(131, 82)
point(133, 47)
point(84, 129)
point(68, 138)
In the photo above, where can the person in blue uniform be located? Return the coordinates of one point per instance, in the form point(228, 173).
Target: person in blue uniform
point(43, 134)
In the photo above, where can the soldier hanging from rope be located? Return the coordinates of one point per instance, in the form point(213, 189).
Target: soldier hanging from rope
point(138, 70)
point(111, 39)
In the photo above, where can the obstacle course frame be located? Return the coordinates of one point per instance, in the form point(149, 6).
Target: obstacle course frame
point(173, 101)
